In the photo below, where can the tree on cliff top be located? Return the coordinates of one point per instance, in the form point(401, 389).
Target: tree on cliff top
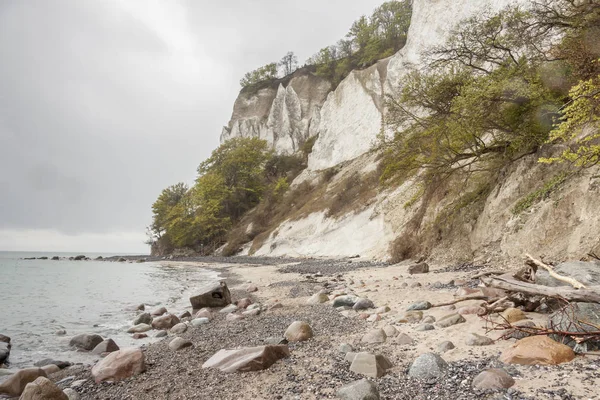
point(264, 73)
point(289, 63)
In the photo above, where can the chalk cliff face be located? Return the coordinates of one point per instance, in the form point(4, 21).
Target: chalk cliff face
point(348, 121)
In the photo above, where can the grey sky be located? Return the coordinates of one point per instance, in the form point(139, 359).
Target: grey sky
point(103, 103)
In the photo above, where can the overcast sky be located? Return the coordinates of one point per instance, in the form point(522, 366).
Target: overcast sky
point(103, 103)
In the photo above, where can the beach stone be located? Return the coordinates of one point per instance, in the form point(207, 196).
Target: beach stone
point(50, 361)
point(410, 317)
point(318, 298)
point(50, 369)
point(493, 379)
point(161, 334)
point(143, 318)
point(251, 313)
point(413, 285)
point(424, 328)
point(243, 303)
point(4, 339)
point(512, 315)
point(72, 394)
point(445, 346)
point(204, 313)
point(60, 332)
point(390, 331)
point(233, 317)
point(138, 336)
point(374, 318)
point(471, 310)
point(4, 351)
point(105, 346)
point(518, 334)
point(212, 295)
point(298, 331)
point(229, 309)
point(165, 322)
point(383, 310)
point(255, 306)
point(474, 339)
point(342, 301)
point(251, 288)
point(588, 315)
point(139, 328)
point(420, 268)
point(179, 328)
point(363, 304)
point(42, 389)
point(119, 365)
point(185, 314)
point(537, 350)
point(428, 366)
point(359, 390)
point(179, 344)
point(430, 319)
point(15, 383)
point(403, 339)
point(159, 311)
point(200, 321)
point(419, 306)
point(450, 320)
point(374, 336)
point(86, 341)
point(247, 359)
point(350, 356)
point(345, 348)
point(371, 365)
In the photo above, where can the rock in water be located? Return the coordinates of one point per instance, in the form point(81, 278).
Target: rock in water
point(106, 346)
point(359, 390)
point(143, 318)
point(421, 268)
point(371, 365)
point(165, 322)
point(493, 379)
point(86, 341)
point(15, 384)
point(4, 339)
point(139, 328)
point(298, 331)
point(247, 359)
point(428, 366)
point(42, 389)
point(119, 365)
point(4, 351)
point(179, 343)
point(537, 350)
point(159, 311)
point(214, 295)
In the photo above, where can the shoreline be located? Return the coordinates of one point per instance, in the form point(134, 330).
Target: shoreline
point(316, 369)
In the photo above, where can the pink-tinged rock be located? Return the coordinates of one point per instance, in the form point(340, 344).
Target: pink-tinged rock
point(234, 317)
point(159, 311)
point(43, 389)
point(204, 313)
point(374, 318)
point(298, 331)
point(139, 336)
point(493, 379)
point(15, 384)
point(471, 310)
point(119, 365)
point(106, 346)
point(165, 322)
point(537, 350)
point(251, 288)
point(247, 359)
point(243, 303)
point(363, 316)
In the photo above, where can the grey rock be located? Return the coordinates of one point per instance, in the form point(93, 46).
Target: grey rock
point(276, 341)
point(363, 304)
point(14, 385)
point(371, 365)
point(473, 339)
point(342, 301)
point(213, 295)
point(247, 359)
point(419, 306)
point(404, 339)
point(143, 318)
point(179, 328)
point(359, 390)
point(424, 327)
point(428, 366)
point(420, 268)
point(4, 351)
point(374, 336)
point(229, 309)
point(390, 331)
point(587, 273)
point(106, 346)
point(200, 321)
point(161, 334)
point(493, 379)
point(588, 316)
point(345, 348)
point(450, 320)
point(179, 344)
point(430, 319)
point(139, 328)
point(518, 334)
point(86, 341)
point(50, 361)
point(167, 321)
point(159, 311)
point(445, 346)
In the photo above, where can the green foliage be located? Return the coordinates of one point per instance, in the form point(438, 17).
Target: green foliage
point(162, 208)
point(261, 74)
point(307, 146)
point(540, 194)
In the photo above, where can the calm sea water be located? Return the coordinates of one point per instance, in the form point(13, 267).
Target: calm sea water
point(40, 297)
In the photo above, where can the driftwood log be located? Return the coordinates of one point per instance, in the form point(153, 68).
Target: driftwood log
point(567, 279)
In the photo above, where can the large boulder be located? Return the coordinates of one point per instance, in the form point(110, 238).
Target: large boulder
point(247, 359)
point(428, 366)
point(43, 389)
point(15, 384)
point(213, 295)
point(420, 268)
point(359, 390)
point(587, 273)
point(106, 346)
point(587, 316)
point(119, 365)
point(298, 331)
point(165, 322)
point(86, 341)
point(537, 350)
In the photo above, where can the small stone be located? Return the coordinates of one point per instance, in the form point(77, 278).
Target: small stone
point(512, 315)
point(204, 313)
point(383, 310)
point(413, 285)
point(161, 334)
point(374, 318)
point(276, 341)
point(428, 366)
point(251, 313)
point(159, 311)
point(445, 346)
point(71, 394)
point(234, 317)
point(143, 318)
point(138, 336)
point(424, 328)
point(215, 294)
point(403, 339)
point(390, 331)
point(471, 310)
point(359, 390)
point(185, 314)
point(349, 313)
point(420, 268)
point(200, 321)
point(243, 303)
point(410, 317)
point(139, 328)
point(165, 322)
point(493, 379)
point(450, 320)
point(106, 346)
point(179, 328)
point(473, 339)
point(298, 331)
point(60, 332)
point(318, 298)
point(370, 365)
point(517, 333)
point(251, 288)
point(229, 309)
point(374, 336)
point(430, 319)
point(179, 344)
point(50, 361)
point(419, 306)
point(363, 304)
point(341, 301)
point(345, 348)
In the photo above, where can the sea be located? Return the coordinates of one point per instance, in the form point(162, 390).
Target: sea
point(41, 297)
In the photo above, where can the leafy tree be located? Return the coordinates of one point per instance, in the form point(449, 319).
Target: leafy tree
point(162, 208)
point(289, 63)
point(261, 74)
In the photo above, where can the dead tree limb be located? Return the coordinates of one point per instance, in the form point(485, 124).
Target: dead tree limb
point(590, 295)
point(487, 273)
point(573, 282)
point(461, 299)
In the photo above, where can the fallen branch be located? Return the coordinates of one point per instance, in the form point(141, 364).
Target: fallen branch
point(589, 295)
point(567, 279)
point(461, 299)
point(481, 274)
